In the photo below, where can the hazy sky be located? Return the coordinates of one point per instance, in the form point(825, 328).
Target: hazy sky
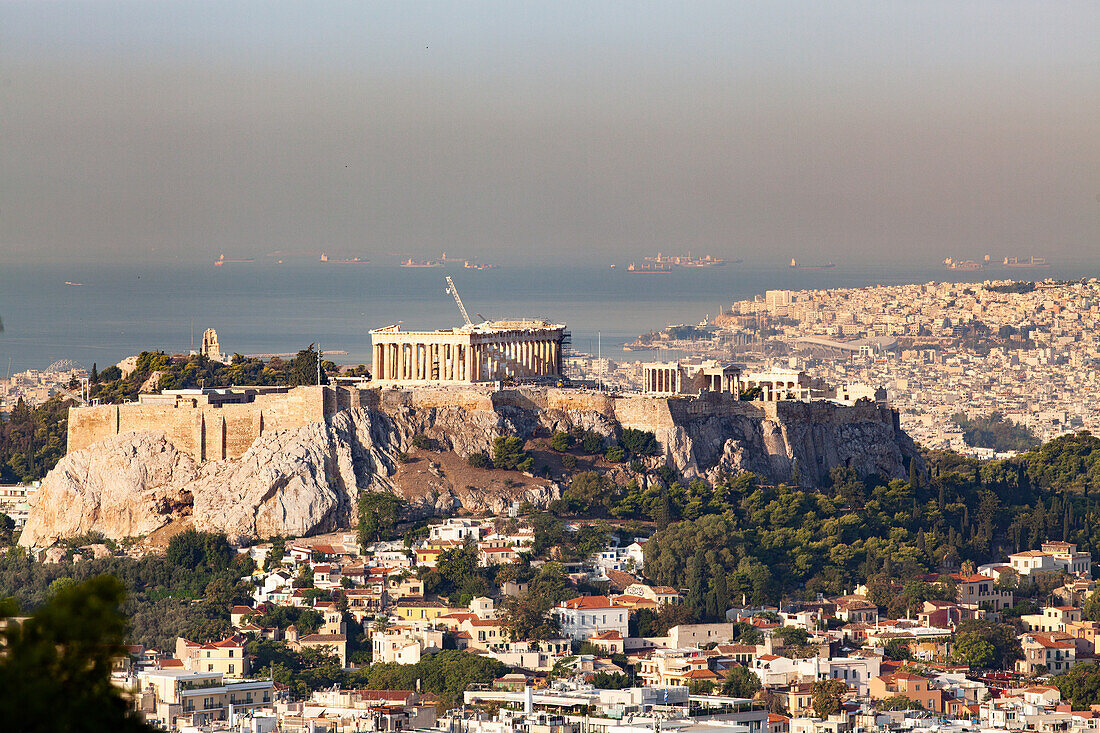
point(764, 130)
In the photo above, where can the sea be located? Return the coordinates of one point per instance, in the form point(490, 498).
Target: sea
point(100, 314)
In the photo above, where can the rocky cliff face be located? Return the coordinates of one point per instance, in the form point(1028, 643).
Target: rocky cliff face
point(308, 480)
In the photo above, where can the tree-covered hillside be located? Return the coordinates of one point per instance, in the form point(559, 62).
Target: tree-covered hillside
point(995, 431)
point(762, 542)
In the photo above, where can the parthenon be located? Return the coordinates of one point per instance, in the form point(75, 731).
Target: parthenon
point(481, 352)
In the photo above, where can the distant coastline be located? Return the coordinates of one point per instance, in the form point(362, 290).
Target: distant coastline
point(265, 307)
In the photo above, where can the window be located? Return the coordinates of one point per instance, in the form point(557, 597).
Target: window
point(230, 653)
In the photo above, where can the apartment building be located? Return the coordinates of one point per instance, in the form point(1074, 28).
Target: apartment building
point(225, 657)
point(587, 616)
point(175, 696)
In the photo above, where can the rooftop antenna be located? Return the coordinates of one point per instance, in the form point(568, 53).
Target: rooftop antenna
point(454, 291)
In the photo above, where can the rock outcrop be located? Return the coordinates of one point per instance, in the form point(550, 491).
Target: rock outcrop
point(125, 487)
point(308, 479)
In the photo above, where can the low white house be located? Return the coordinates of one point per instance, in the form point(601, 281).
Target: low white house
point(587, 616)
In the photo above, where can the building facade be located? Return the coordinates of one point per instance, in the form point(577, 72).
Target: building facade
point(675, 378)
point(588, 616)
point(485, 352)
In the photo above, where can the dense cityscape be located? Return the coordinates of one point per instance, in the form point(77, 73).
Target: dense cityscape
point(950, 586)
point(539, 367)
point(1027, 351)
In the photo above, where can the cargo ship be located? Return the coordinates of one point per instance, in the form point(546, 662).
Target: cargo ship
point(685, 260)
point(346, 261)
point(951, 264)
point(1029, 262)
point(421, 263)
point(223, 261)
point(476, 266)
point(796, 266)
point(654, 269)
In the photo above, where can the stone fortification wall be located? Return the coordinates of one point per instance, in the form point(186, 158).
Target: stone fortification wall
point(453, 396)
point(296, 462)
point(205, 432)
point(715, 431)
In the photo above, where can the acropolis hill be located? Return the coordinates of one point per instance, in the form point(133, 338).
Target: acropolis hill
point(262, 462)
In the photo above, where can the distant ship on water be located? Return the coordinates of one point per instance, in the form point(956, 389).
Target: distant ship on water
point(223, 261)
point(796, 266)
point(1029, 262)
point(686, 260)
point(346, 261)
point(952, 264)
point(654, 269)
point(421, 263)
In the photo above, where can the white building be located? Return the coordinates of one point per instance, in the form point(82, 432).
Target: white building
point(1052, 558)
point(200, 697)
point(456, 530)
point(587, 616)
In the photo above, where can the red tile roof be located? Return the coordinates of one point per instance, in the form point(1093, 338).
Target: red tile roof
point(608, 636)
point(587, 602)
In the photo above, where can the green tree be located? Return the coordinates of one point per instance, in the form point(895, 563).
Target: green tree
point(592, 443)
point(508, 453)
point(55, 672)
point(792, 635)
point(827, 697)
point(1091, 609)
point(589, 492)
point(378, 515)
point(7, 529)
point(304, 368)
point(560, 441)
point(457, 566)
point(985, 645)
point(527, 616)
point(196, 550)
point(996, 432)
point(1081, 685)
point(898, 650)
point(610, 681)
point(640, 442)
point(741, 682)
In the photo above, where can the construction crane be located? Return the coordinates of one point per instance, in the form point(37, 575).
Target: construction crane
point(454, 291)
